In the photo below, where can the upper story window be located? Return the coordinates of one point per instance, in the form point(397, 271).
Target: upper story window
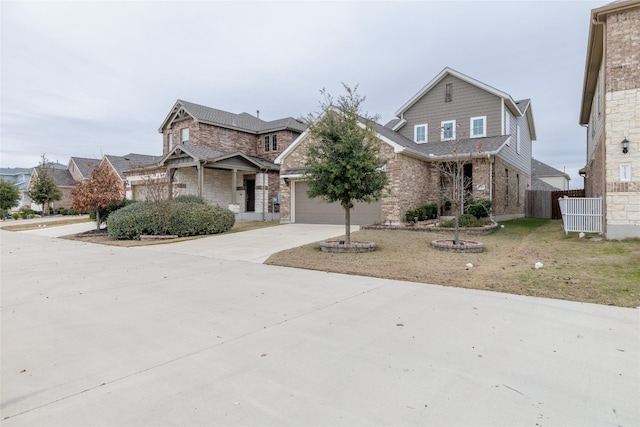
point(266, 143)
point(507, 126)
point(420, 133)
point(184, 136)
point(274, 142)
point(448, 130)
point(448, 92)
point(478, 126)
point(170, 139)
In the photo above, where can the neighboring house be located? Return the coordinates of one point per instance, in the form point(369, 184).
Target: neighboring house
point(119, 165)
point(547, 178)
point(611, 110)
point(81, 168)
point(485, 126)
point(19, 177)
point(63, 180)
point(224, 157)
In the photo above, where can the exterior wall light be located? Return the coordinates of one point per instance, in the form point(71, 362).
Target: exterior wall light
point(625, 145)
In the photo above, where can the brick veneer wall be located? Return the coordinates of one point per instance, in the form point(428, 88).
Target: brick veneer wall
point(508, 197)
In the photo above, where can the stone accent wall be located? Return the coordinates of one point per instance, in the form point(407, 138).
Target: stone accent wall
point(622, 107)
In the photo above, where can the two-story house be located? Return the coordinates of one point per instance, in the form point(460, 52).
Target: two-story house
point(610, 110)
point(454, 117)
point(224, 157)
point(19, 177)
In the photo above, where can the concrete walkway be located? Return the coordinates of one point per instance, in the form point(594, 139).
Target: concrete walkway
point(254, 245)
point(101, 335)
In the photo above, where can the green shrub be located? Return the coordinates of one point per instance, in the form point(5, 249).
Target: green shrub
point(422, 213)
point(26, 210)
point(479, 208)
point(411, 215)
point(189, 198)
point(184, 219)
point(132, 221)
point(192, 219)
point(466, 220)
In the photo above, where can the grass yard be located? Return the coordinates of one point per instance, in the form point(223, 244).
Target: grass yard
point(603, 272)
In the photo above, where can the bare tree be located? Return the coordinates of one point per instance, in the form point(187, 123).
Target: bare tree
point(455, 184)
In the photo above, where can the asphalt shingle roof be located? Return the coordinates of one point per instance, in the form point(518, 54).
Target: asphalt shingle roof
point(541, 169)
point(85, 165)
point(244, 121)
point(209, 154)
point(131, 161)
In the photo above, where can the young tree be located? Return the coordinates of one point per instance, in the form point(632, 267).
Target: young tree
point(343, 164)
point(455, 185)
point(101, 191)
point(9, 197)
point(42, 188)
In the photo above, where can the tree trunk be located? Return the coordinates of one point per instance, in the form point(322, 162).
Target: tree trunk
point(347, 225)
point(456, 234)
point(97, 219)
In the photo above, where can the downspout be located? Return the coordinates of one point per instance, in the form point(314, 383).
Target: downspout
point(490, 181)
point(264, 196)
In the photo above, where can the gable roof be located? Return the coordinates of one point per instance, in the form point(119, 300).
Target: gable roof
point(539, 185)
point(84, 165)
point(130, 161)
point(220, 158)
point(244, 122)
point(61, 177)
point(511, 104)
point(541, 169)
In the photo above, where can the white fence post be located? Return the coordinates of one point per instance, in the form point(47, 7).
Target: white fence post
point(581, 214)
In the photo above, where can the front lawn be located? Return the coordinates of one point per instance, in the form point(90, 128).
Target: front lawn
point(588, 270)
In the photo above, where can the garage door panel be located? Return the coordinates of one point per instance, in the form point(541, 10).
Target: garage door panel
point(317, 211)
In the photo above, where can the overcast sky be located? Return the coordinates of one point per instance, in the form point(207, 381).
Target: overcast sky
point(92, 78)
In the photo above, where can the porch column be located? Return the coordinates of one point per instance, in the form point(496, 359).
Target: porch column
point(233, 185)
point(200, 178)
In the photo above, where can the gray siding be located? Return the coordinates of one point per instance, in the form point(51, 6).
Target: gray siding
point(468, 101)
point(509, 153)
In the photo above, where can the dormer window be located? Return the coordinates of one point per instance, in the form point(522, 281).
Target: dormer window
point(420, 133)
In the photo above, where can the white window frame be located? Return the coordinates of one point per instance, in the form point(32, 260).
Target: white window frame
point(453, 130)
point(170, 141)
point(518, 139)
point(484, 127)
point(426, 133)
point(184, 132)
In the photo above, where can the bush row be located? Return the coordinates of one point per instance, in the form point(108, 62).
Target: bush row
point(180, 219)
point(422, 213)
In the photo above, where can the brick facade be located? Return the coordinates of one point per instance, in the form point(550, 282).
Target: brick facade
point(610, 172)
point(414, 182)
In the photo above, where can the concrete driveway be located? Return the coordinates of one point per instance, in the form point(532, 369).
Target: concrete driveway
point(100, 335)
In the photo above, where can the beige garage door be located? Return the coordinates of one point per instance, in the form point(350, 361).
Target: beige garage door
point(317, 211)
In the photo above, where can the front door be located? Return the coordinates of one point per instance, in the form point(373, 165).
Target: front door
point(250, 191)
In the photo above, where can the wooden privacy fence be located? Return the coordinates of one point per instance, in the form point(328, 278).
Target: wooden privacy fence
point(582, 214)
point(544, 204)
